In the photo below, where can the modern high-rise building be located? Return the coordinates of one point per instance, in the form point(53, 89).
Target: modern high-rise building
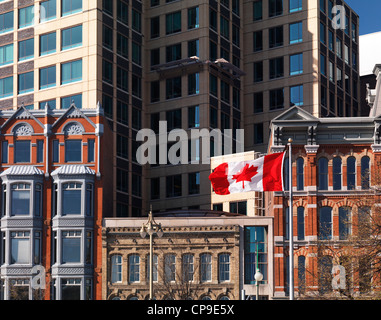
point(195, 64)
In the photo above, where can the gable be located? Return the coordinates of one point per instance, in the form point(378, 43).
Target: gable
point(295, 114)
point(21, 114)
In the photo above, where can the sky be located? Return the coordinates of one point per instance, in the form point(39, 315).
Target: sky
point(369, 12)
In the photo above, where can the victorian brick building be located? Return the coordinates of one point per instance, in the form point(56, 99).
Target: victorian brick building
point(334, 165)
point(52, 203)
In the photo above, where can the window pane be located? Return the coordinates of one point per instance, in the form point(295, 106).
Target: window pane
point(20, 204)
point(71, 6)
point(71, 249)
point(71, 202)
point(22, 151)
point(47, 43)
point(73, 150)
point(20, 251)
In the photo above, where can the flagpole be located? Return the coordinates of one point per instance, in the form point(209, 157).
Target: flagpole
point(291, 235)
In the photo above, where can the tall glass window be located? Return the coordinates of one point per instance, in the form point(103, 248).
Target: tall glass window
point(188, 267)
point(48, 10)
point(116, 268)
point(6, 54)
point(71, 71)
point(344, 222)
point(224, 267)
point(365, 173)
point(71, 246)
point(6, 87)
point(295, 5)
point(337, 173)
point(325, 223)
point(26, 82)
point(47, 43)
point(300, 218)
point(22, 149)
point(257, 10)
point(300, 174)
point(26, 16)
point(351, 173)
point(255, 245)
point(323, 173)
point(20, 199)
point(6, 22)
point(296, 95)
point(134, 268)
point(170, 267)
point(296, 64)
point(173, 22)
point(206, 267)
point(193, 18)
point(71, 198)
point(296, 32)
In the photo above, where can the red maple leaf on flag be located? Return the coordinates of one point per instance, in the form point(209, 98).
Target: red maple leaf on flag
point(246, 174)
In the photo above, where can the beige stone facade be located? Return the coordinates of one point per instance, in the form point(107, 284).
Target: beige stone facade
point(197, 236)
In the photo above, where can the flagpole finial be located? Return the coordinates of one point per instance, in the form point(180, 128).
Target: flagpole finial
point(290, 140)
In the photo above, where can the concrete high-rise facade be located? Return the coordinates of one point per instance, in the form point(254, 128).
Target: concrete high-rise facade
point(196, 64)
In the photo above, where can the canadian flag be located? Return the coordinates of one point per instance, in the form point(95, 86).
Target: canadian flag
point(262, 174)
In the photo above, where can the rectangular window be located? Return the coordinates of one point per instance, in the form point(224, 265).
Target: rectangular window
point(224, 27)
point(257, 10)
point(22, 151)
point(258, 41)
point(66, 102)
point(275, 8)
point(122, 12)
point(122, 180)
point(26, 49)
point(193, 48)
point(136, 86)
point(134, 268)
point(339, 48)
point(194, 117)
point(20, 199)
point(47, 43)
point(6, 54)
point(122, 79)
point(173, 88)
point(6, 22)
point(258, 71)
point(331, 71)
point(258, 102)
point(26, 82)
point(276, 37)
point(194, 183)
point(136, 20)
point(323, 65)
point(70, 6)
point(213, 19)
point(258, 133)
point(6, 87)
point(71, 37)
point(40, 151)
point(155, 27)
point(255, 245)
point(173, 52)
point(136, 53)
point(20, 247)
point(73, 150)
point(48, 10)
point(173, 187)
point(173, 22)
point(122, 146)
point(107, 37)
point(276, 68)
point(155, 188)
point(56, 146)
point(238, 207)
point(4, 152)
point(296, 32)
point(295, 5)
point(193, 18)
point(48, 77)
point(71, 71)
point(276, 99)
point(225, 91)
point(296, 95)
point(330, 40)
point(71, 198)
point(108, 7)
point(90, 150)
point(71, 246)
point(296, 64)
point(122, 45)
point(322, 33)
point(339, 79)
point(136, 116)
point(26, 16)
point(136, 182)
point(194, 83)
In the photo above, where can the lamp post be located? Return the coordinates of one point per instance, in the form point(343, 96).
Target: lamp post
point(151, 227)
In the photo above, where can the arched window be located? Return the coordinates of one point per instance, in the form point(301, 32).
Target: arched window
point(134, 268)
point(300, 174)
point(365, 173)
point(206, 267)
point(323, 173)
point(300, 215)
point(301, 274)
point(325, 274)
point(188, 267)
point(351, 173)
point(116, 268)
point(325, 223)
point(224, 267)
point(337, 173)
point(344, 222)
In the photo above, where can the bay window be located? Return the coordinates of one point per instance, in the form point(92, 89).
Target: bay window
point(71, 198)
point(20, 199)
point(20, 247)
point(71, 246)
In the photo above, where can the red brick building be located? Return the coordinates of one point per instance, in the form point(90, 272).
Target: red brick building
point(333, 162)
point(52, 183)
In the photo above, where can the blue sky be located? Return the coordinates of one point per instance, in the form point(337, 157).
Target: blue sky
point(369, 12)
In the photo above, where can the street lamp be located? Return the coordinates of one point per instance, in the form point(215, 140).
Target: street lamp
point(151, 227)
